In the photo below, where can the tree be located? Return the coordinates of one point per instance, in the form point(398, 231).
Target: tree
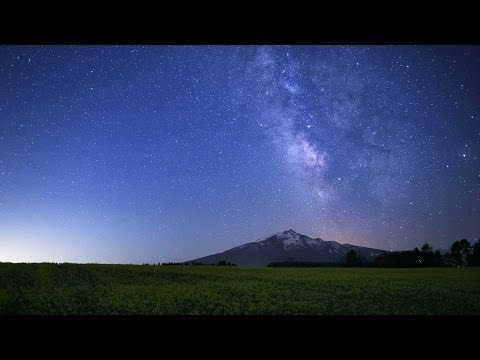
point(474, 259)
point(352, 259)
point(438, 258)
point(460, 252)
point(427, 248)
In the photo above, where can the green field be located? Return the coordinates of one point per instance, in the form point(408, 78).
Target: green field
point(144, 289)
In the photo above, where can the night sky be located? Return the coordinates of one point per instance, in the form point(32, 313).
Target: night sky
point(133, 154)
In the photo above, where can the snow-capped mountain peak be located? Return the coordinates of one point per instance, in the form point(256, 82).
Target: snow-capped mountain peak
point(293, 240)
point(288, 245)
point(288, 234)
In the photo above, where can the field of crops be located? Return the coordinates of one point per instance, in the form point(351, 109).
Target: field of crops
point(144, 289)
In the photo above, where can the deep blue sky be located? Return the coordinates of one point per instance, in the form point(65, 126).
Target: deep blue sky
point(167, 153)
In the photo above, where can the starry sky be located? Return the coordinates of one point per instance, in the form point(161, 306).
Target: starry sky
point(133, 154)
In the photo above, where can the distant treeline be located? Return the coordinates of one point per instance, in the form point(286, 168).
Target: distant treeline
point(304, 264)
point(461, 253)
point(220, 263)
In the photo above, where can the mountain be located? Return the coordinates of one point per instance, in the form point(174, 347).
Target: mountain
point(285, 246)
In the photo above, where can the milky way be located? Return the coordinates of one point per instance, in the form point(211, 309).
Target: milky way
point(168, 153)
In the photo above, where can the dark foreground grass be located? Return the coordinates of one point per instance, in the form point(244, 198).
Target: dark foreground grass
point(137, 289)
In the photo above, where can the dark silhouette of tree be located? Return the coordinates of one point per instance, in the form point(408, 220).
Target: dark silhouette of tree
point(460, 252)
point(426, 248)
point(474, 259)
point(198, 263)
point(352, 259)
point(413, 258)
point(438, 258)
point(303, 264)
point(399, 259)
point(225, 263)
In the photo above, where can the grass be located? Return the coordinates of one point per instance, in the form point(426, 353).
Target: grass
point(143, 289)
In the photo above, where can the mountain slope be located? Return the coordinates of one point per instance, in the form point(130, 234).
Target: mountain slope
point(288, 245)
